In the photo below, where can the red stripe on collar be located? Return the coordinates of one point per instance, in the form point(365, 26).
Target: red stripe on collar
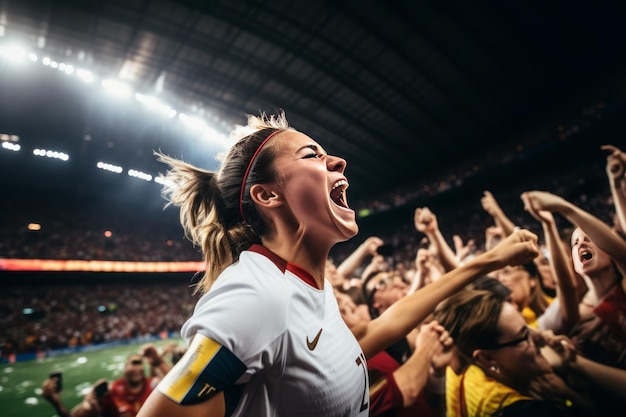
point(283, 265)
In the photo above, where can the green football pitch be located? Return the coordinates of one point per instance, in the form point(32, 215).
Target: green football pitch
point(20, 383)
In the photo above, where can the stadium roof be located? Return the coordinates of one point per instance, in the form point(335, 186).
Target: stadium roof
point(401, 89)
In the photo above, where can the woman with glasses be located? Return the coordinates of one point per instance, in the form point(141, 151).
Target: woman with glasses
point(500, 370)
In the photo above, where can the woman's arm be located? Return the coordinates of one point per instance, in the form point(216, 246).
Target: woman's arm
point(560, 264)
point(158, 405)
point(426, 222)
point(562, 354)
point(501, 220)
point(599, 232)
point(356, 258)
point(616, 172)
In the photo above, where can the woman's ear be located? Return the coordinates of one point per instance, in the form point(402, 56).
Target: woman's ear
point(265, 195)
point(484, 359)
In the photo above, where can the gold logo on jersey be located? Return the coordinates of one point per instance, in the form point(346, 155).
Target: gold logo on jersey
point(311, 345)
point(206, 390)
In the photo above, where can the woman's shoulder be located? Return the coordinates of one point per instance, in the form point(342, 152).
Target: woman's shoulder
point(253, 271)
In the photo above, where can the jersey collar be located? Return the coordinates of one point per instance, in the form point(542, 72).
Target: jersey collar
point(283, 265)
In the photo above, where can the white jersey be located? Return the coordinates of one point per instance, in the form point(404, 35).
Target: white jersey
point(274, 343)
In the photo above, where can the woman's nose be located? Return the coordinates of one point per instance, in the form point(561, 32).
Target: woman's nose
point(336, 163)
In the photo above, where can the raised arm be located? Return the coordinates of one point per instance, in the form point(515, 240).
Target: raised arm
point(356, 258)
point(501, 220)
point(598, 231)
point(423, 268)
point(560, 264)
point(609, 378)
point(426, 222)
point(462, 250)
point(413, 375)
point(159, 367)
point(404, 315)
point(616, 172)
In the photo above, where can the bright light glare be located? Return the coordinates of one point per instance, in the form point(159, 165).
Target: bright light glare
point(84, 75)
point(162, 181)
point(11, 146)
point(117, 88)
point(140, 175)
point(51, 154)
point(34, 227)
point(213, 136)
point(194, 123)
point(155, 104)
point(13, 53)
point(109, 167)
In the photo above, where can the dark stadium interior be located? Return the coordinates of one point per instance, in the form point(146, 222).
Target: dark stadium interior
point(409, 92)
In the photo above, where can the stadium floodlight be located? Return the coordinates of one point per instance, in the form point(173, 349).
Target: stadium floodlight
point(51, 154)
point(66, 68)
point(210, 131)
point(140, 175)
point(9, 146)
point(110, 167)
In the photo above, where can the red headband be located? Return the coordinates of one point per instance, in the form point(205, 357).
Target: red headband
point(245, 176)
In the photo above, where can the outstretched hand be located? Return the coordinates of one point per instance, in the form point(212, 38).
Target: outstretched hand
point(518, 248)
point(48, 390)
point(543, 216)
point(615, 162)
point(371, 245)
point(543, 200)
point(425, 221)
point(490, 204)
point(462, 250)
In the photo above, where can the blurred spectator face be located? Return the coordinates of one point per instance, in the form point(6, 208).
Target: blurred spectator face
point(134, 370)
point(587, 257)
point(335, 279)
point(350, 312)
point(543, 265)
point(519, 281)
point(386, 289)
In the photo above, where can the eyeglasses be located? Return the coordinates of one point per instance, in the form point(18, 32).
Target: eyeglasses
point(386, 282)
point(518, 341)
point(383, 283)
point(136, 362)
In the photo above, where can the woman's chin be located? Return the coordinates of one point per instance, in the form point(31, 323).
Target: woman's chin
point(346, 226)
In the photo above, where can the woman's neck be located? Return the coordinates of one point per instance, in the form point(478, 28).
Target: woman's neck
point(310, 259)
point(604, 281)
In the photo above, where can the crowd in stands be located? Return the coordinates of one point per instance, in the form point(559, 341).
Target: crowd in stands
point(43, 318)
point(579, 205)
point(94, 231)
